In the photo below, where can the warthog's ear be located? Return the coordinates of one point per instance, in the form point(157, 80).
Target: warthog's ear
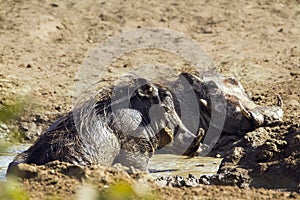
point(165, 137)
point(147, 90)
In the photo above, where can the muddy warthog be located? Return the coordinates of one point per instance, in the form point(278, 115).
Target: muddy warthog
point(123, 125)
point(226, 100)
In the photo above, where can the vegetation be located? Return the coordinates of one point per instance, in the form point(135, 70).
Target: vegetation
point(12, 190)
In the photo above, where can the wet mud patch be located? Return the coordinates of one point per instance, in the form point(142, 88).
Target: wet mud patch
point(263, 158)
point(63, 180)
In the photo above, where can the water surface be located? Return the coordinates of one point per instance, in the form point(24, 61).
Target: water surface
point(159, 165)
point(7, 156)
point(171, 165)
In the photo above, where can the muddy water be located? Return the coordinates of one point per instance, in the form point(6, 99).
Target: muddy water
point(171, 165)
point(7, 156)
point(159, 165)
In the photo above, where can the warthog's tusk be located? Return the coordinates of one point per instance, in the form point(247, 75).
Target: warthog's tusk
point(203, 102)
point(245, 112)
point(279, 101)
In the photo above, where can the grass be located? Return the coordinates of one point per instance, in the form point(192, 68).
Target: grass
point(12, 190)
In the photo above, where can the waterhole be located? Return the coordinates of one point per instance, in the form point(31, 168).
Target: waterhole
point(159, 165)
point(172, 165)
point(7, 155)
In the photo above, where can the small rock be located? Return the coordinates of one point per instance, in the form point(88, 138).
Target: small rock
point(257, 137)
point(54, 5)
point(179, 181)
point(237, 154)
point(161, 181)
point(204, 180)
point(191, 181)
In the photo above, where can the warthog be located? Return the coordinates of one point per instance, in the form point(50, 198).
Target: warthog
point(123, 125)
point(225, 100)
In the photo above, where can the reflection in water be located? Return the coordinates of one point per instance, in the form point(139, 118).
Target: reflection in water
point(171, 165)
point(8, 155)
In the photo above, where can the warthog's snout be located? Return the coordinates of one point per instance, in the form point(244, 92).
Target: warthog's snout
point(185, 142)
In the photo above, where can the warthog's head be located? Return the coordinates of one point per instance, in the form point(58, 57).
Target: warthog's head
point(226, 96)
point(159, 118)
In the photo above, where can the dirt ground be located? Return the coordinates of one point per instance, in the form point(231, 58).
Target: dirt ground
point(44, 43)
point(58, 180)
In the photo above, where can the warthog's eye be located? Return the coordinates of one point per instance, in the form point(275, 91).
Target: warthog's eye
point(147, 91)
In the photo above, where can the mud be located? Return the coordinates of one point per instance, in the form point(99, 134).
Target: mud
point(57, 180)
point(263, 159)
